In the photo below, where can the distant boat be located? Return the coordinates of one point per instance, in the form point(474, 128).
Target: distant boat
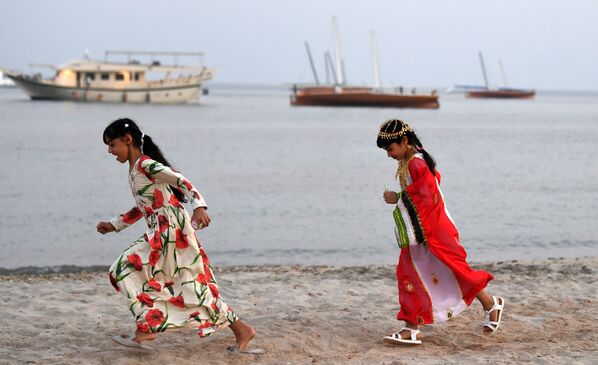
point(360, 96)
point(503, 93)
point(103, 81)
point(500, 92)
point(5, 81)
point(341, 95)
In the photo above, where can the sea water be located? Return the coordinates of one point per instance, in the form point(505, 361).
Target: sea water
point(302, 185)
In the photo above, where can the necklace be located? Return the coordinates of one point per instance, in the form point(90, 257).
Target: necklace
point(401, 174)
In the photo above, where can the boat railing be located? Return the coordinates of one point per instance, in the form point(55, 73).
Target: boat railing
point(152, 55)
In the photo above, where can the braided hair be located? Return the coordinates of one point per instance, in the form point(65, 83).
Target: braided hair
point(394, 130)
point(123, 126)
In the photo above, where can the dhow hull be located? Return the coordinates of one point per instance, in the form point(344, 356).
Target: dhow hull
point(361, 97)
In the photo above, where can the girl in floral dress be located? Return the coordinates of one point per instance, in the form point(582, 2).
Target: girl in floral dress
point(165, 274)
point(435, 282)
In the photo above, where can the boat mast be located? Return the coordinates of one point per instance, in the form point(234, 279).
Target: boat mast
point(337, 52)
point(327, 68)
point(504, 75)
point(329, 64)
point(375, 62)
point(483, 69)
point(311, 62)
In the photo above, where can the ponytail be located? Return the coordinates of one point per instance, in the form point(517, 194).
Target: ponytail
point(420, 148)
point(150, 149)
point(123, 126)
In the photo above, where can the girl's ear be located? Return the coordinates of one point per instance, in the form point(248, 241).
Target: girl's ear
point(127, 139)
point(405, 140)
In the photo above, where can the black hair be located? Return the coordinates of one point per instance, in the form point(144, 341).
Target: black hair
point(396, 125)
point(123, 126)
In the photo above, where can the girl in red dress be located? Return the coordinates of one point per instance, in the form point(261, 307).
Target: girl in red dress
point(435, 282)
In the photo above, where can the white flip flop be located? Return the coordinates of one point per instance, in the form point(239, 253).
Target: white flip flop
point(127, 341)
point(395, 338)
point(496, 306)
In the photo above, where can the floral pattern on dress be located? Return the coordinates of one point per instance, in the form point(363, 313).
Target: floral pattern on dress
point(166, 274)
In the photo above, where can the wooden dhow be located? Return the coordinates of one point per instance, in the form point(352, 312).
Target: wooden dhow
point(500, 92)
point(340, 94)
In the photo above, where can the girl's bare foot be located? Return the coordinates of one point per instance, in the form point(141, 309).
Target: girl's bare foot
point(142, 336)
point(243, 334)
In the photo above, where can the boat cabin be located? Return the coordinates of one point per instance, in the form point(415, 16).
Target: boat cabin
point(94, 74)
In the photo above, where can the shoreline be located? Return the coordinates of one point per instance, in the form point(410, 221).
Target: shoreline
point(311, 314)
point(74, 269)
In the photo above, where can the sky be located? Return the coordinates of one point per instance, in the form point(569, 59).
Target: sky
point(543, 44)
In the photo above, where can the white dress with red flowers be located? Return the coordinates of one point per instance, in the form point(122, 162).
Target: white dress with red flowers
point(166, 274)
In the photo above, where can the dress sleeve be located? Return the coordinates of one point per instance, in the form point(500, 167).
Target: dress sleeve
point(164, 174)
point(124, 220)
point(424, 185)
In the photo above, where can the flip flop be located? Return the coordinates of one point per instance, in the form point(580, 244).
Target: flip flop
point(396, 339)
point(235, 348)
point(127, 341)
point(496, 306)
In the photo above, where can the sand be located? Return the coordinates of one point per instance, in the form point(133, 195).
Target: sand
point(310, 315)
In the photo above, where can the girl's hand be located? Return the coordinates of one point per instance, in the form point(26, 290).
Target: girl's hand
point(105, 227)
point(390, 197)
point(200, 218)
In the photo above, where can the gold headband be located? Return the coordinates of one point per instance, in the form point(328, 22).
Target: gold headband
point(394, 135)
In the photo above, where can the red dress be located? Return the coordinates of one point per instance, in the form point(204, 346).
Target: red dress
point(435, 282)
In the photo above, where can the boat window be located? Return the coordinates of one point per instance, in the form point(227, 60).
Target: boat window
point(105, 76)
point(90, 76)
point(119, 76)
point(136, 76)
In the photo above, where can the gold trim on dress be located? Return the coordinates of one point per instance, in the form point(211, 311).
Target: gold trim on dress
point(403, 172)
point(408, 286)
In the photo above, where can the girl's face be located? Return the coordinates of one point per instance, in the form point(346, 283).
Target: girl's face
point(398, 151)
point(120, 147)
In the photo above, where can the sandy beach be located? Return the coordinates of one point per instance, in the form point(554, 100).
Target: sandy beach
point(310, 315)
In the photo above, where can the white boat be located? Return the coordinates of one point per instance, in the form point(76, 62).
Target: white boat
point(127, 82)
point(5, 81)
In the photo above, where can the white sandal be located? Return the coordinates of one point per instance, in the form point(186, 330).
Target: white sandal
point(496, 306)
point(127, 341)
point(395, 338)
